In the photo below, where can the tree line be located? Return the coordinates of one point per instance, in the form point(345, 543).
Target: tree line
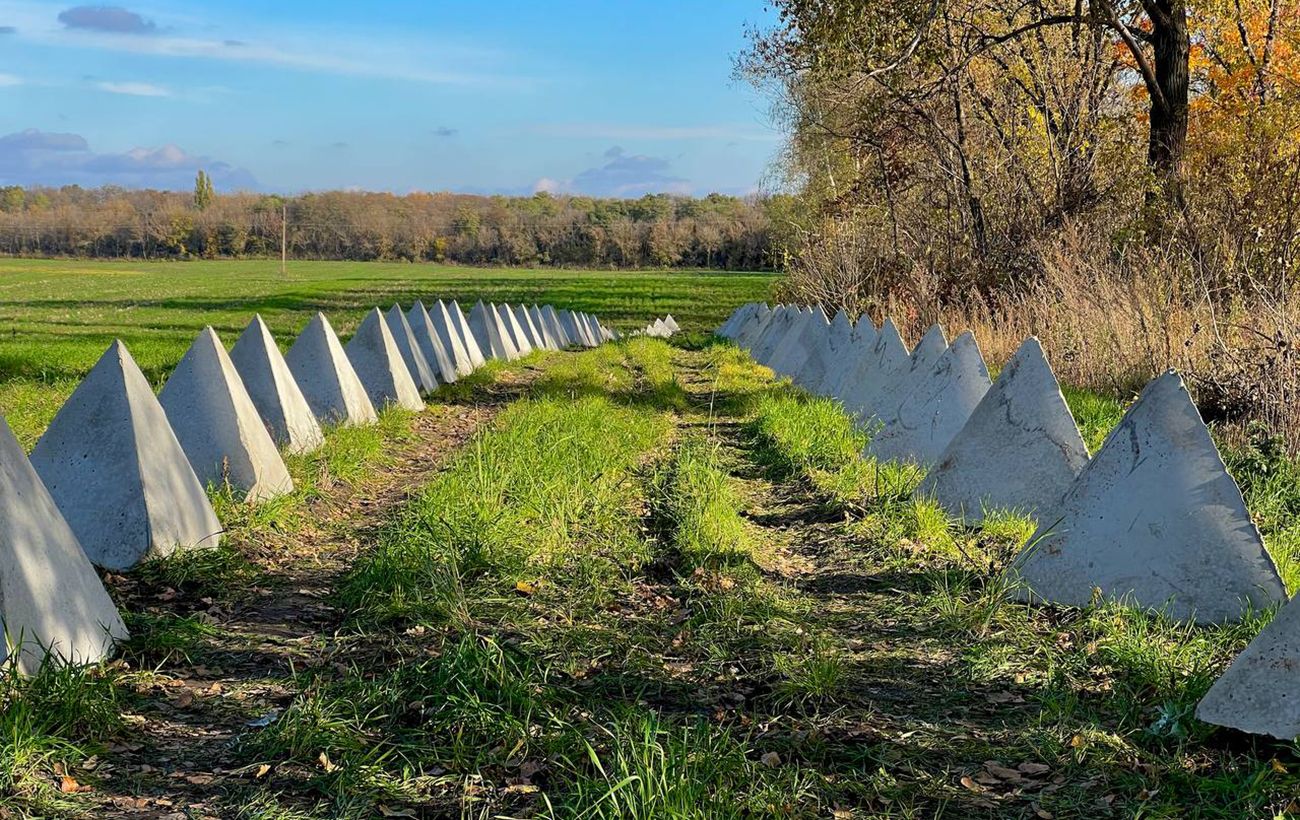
point(714, 231)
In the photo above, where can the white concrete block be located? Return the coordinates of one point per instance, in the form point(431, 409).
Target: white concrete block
point(1020, 450)
point(378, 363)
point(438, 342)
point(1155, 520)
point(477, 358)
point(872, 376)
point(1260, 691)
point(326, 376)
point(491, 335)
point(51, 600)
point(218, 425)
point(117, 473)
point(927, 351)
point(419, 367)
point(274, 391)
point(515, 330)
point(919, 425)
point(544, 329)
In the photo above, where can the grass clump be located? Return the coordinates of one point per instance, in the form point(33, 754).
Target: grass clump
point(544, 494)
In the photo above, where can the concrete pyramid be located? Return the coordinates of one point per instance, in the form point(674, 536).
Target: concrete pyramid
point(573, 328)
point(531, 330)
point(871, 378)
point(807, 332)
point(753, 327)
point(585, 333)
point(378, 362)
point(515, 330)
point(326, 376)
point(274, 391)
point(117, 473)
point(477, 358)
point(853, 368)
point(672, 324)
point(51, 600)
point(538, 319)
point(1154, 519)
point(491, 335)
point(1260, 691)
point(218, 425)
point(445, 362)
point(556, 327)
point(920, 425)
point(412, 354)
point(1019, 450)
point(927, 351)
point(783, 320)
point(444, 342)
point(824, 367)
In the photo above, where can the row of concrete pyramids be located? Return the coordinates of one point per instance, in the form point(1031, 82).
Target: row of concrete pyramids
point(120, 473)
point(1153, 518)
point(660, 328)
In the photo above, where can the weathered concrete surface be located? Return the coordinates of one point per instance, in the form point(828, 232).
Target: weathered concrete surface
point(749, 332)
point(412, 353)
point(586, 330)
point(544, 329)
point(927, 351)
point(218, 425)
point(855, 365)
point(1154, 519)
point(378, 362)
point(572, 323)
point(274, 391)
point(117, 473)
point(477, 358)
point(51, 600)
point(326, 376)
point(919, 425)
point(441, 348)
point(800, 341)
point(492, 337)
point(870, 382)
point(556, 327)
point(731, 326)
point(515, 330)
point(1260, 691)
point(673, 327)
point(824, 367)
point(783, 320)
point(1020, 450)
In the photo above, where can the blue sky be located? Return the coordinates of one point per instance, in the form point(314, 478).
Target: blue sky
point(605, 97)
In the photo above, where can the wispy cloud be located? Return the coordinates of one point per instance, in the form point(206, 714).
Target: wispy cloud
point(445, 131)
point(612, 131)
point(111, 19)
point(9, 80)
point(8, 30)
point(622, 175)
point(134, 89)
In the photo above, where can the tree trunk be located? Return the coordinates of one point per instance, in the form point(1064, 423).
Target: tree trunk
point(1168, 137)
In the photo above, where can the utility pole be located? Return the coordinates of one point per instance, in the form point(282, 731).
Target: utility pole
point(284, 234)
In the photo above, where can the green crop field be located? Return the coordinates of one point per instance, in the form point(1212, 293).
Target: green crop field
point(58, 316)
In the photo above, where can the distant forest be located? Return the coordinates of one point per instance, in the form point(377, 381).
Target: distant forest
point(542, 230)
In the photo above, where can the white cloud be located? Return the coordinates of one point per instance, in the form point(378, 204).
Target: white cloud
point(623, 175)
point(7, 80)
point(134, 89)
point(613, 131)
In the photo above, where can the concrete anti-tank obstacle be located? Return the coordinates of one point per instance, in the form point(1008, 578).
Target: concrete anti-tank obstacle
point(51, 600)
point(1020, 450)
point(477, 356)
point(1154, 520)
point(783, 319)
point(1260, 691)
point(754, 329)
point(419, 367)
point(534, 333)
point(491, 336)
point(873, 377)
point(326, 376)
point(117, 473)
point(585, 330)
point(538, 319)
point(378, 363)
point(274, 391)
point(727, 330)
point(855, 368)
point(445, 361)
point(673, 327)
point(557, 327)
point(927, 351)
point(572, 329)
point(921, 424)
point(803, 335)
point(823, 367)
point(218, 425)
point(515, 330)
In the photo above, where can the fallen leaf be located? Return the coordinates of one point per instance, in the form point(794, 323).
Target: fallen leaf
point(525, 588)
point(387, 812)
point(971, 785)
point(770, 759)
point(1277, 766)
point(1033, 769)
point(184, 699)
point(1077, 742)
point(68, 785)
point(262, 771)
point(325, 763)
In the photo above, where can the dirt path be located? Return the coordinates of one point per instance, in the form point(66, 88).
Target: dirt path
point(222, 660)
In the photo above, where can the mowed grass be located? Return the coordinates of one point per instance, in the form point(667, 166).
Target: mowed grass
point(58, 316)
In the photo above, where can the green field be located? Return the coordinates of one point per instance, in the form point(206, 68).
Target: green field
point(58, 316)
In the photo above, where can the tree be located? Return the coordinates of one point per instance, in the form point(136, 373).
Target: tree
point(203, 191)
